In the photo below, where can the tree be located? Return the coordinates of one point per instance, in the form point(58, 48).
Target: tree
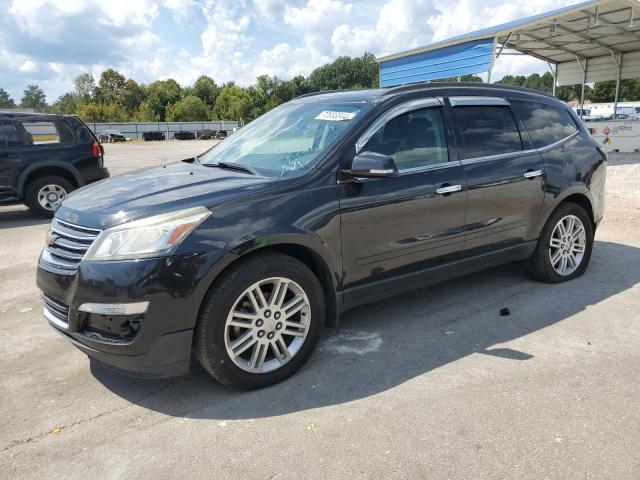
point(606, 91)
point(84, 86)
point(34, 97)
point(110, 87)
point(233, 103)
point(345, 73)
point(206, 90)
point(189, 109)
point(160, 94)
point(144, 113)
point(5, 100)
point(66, 104)
point(132, 96)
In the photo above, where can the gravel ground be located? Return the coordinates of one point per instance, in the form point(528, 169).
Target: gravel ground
point(432, 384)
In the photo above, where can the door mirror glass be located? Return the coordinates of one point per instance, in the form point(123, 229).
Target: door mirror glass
point(371, 164)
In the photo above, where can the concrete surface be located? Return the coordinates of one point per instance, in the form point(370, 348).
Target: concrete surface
point(433, 384)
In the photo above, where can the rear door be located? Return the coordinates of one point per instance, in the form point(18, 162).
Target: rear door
point(504, 174)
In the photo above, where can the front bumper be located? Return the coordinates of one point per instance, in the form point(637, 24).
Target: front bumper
point(155, 343)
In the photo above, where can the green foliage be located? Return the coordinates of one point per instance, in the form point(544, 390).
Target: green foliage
point(269, 92)
point(66, 104)
point(606, 91)
point(144, 113)
point(345, 73)
point(102, 112)
point(34, 97)
point(463, 78)
point(84, 86)
point(110, 87)
point(189, 109)
point(5, 99)
point(160, 94)
point(233, 103)
point(206, 90)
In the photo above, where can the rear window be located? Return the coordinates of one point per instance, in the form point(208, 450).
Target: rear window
point(546, 124)
point(487, 130)
point(49, 132)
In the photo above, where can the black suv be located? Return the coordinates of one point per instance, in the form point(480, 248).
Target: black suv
point(44, 157)
point(243, 254)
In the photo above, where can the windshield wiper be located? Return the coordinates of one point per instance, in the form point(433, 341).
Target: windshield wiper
point(233, 166)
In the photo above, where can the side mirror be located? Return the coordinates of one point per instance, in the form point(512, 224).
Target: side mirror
point(371, 164)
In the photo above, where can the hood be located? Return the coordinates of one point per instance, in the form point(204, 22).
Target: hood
point(156, 190)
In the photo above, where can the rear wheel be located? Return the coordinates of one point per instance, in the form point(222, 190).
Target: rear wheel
point(564, 247)
point(260, 322)
point(44, 195)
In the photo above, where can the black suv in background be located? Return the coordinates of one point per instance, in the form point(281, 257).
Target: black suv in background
point(44, 157)
point(332, 200)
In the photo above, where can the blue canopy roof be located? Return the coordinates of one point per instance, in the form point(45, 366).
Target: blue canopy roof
point(586, 30)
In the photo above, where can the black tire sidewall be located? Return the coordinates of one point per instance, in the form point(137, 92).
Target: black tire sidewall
point(34, 186)
point(541, 256)
point(210, 332)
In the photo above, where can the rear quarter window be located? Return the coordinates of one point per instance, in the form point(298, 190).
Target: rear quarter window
point(49, 132)
point(546, 124)
point(13, 135)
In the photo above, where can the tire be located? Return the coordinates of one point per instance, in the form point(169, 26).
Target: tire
point(541, 267)
point(213, 337)
point(60, 185)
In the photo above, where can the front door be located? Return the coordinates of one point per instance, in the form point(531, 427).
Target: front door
point(394, 227)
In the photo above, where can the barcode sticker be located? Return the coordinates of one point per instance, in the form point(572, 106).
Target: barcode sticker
point(335, 116)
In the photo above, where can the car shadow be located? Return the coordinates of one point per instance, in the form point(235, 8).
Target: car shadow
point(19, 216)
point(380, 346)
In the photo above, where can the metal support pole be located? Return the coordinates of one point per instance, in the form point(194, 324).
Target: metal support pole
point(615, 101)
point(584, 80)
point(493, 57)
point(554, 72)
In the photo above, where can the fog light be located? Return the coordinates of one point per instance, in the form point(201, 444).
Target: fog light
point(115, 308)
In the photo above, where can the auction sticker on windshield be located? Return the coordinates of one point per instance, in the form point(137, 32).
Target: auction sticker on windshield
point(336, 116)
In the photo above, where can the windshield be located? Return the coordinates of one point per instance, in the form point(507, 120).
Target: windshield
point(288, 140)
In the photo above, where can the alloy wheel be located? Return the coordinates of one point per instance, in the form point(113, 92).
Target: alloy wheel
point(567, 245)
point(267, 325)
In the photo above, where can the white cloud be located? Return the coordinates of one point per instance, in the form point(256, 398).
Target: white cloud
point(28, 66)
point(49, 42)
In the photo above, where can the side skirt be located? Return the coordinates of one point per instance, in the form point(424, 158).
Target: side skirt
point(375, 291)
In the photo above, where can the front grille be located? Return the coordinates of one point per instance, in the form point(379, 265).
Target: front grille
point(68, 245)
point(56, 312)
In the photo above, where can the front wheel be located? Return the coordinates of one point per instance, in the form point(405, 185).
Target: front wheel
point(564, 247)
point(260, 322)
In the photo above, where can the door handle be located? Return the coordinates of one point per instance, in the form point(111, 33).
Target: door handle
point(532, 173)
point(447, 189)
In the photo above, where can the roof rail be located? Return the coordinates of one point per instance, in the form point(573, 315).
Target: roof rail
point(428, 85)
point(332, 91)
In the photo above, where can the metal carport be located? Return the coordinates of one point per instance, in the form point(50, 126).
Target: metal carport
point(587, 42)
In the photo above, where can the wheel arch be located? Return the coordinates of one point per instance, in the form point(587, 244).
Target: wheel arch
point(61, 169)
point(303, 252)
point(579, 196)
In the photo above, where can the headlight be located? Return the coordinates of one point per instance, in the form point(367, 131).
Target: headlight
point(149, 237)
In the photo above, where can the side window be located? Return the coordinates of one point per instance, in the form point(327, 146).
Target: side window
point(546, 124)
point(487, 130)
point(11, 135)
point(414, 139)
point(49, 132)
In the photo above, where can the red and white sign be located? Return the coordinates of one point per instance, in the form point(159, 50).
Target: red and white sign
point(606, 131)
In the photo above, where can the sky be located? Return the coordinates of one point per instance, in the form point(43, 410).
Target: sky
point(50, 42)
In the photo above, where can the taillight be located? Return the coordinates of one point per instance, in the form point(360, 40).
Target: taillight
point(96, 149)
